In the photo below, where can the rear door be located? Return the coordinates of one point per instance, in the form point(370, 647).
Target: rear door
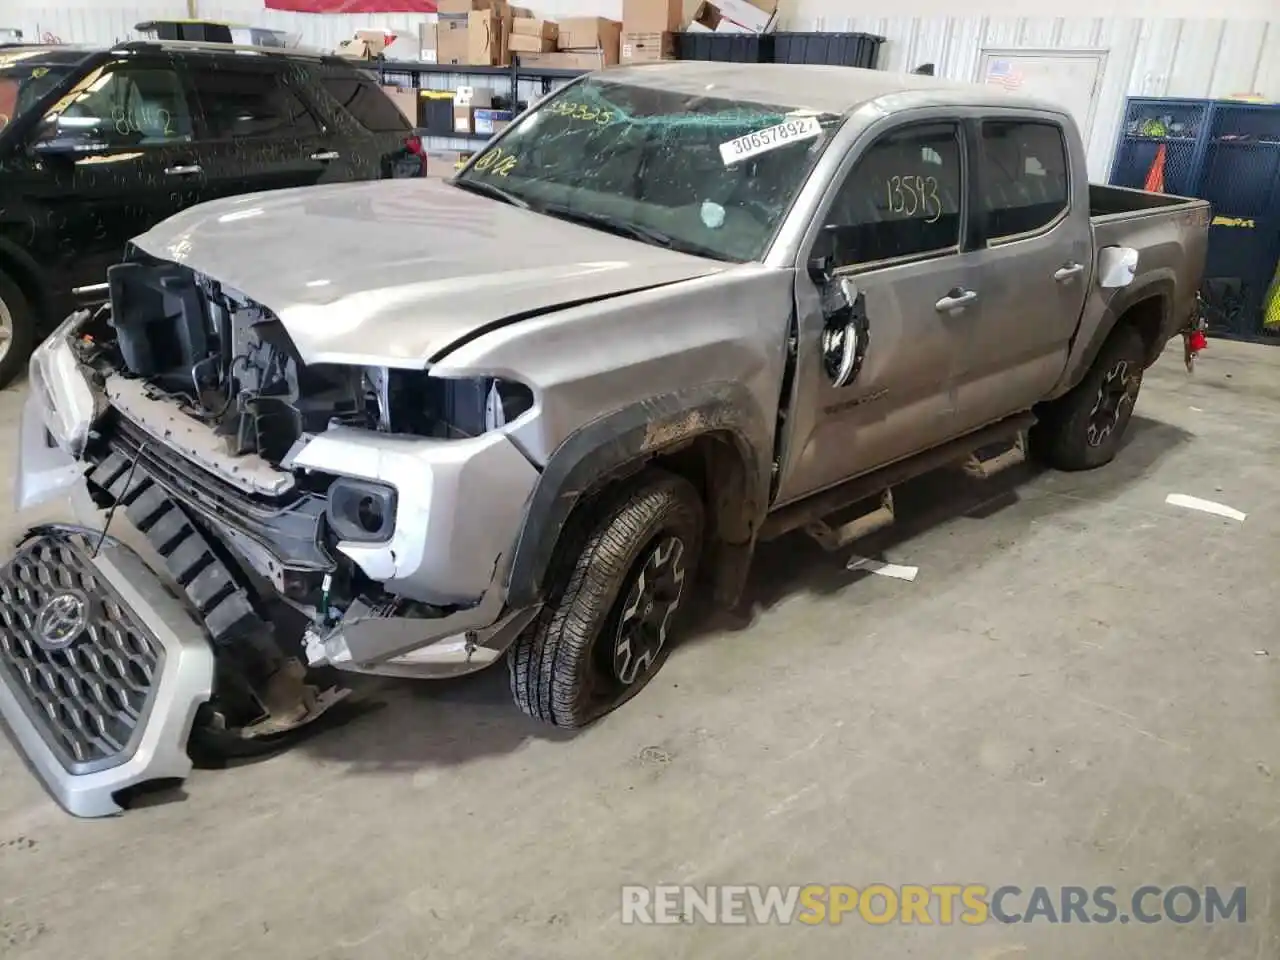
point(894, 230)
point(1033, 224)
point(377, 139)
point(258, 132)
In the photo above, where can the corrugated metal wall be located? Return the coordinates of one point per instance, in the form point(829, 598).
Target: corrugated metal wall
point(1149, 57)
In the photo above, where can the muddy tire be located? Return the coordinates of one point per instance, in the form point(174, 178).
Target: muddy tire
point(1084, 428)
point(17, 331)
point(625, 574)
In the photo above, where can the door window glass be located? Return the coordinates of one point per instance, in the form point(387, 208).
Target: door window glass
point(902, 199)
point(122, 105)
point(243, 103)
point(365, 101)
point(1025, 181)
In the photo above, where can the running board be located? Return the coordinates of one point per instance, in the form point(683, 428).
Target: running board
point(837, 538)
point(982, 467)
point(807, 513)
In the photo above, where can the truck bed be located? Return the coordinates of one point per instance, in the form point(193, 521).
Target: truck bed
point(1107, 201)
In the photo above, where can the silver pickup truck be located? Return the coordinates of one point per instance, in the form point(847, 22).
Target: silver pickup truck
point(410, 428)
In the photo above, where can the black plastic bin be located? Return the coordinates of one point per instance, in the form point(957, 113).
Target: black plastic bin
point(729, 47)
point(840, 49)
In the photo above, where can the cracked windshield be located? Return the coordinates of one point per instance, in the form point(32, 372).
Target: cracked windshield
point(699, 174)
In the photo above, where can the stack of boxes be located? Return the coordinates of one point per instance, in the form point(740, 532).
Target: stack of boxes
point(647, 29)
point(582, 43)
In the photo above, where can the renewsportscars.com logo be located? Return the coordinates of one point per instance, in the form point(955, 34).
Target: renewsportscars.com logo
point(926, 904)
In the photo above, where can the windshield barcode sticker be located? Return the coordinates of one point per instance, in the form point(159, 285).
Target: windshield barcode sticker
point(770, 138)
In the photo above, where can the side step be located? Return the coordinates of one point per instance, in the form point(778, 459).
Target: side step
point(984, 453)
point(996, 458)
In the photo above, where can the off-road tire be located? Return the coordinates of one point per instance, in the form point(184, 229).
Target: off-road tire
point(1066, 436)
point(560, 670)
point(22, 324)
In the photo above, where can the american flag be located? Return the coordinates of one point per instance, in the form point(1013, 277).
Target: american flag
point(1004, 74)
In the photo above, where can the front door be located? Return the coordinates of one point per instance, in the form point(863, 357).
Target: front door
point(110, 160)
point(258, 131)
point(1033, 219)
point(878, 337)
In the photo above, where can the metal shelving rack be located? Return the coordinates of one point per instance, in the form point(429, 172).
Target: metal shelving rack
point(526, 83)
point(1226, 152)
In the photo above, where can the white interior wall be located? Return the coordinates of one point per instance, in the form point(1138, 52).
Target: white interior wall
point(1157, 49)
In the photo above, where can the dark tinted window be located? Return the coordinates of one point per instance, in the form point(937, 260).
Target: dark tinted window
point(365, 101)
point(902, 198)
point(252, 103)
point(1024, 176)
point(122, 104)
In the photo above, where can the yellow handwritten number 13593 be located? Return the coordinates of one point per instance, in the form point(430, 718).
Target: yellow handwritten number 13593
point(915, 195)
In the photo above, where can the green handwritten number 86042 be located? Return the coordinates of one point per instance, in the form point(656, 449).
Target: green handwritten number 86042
point(915, 196)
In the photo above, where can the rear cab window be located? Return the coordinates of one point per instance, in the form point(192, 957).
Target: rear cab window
point(364, 101)
point(1026, 183)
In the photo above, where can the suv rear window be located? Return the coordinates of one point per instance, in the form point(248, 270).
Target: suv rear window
point(363, 99)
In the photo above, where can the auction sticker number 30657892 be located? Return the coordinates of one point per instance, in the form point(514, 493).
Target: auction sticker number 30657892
point(770, 138)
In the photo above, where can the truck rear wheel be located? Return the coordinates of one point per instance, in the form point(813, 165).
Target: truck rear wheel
point(625, 575)
point(17, 326)
point(1084, 428)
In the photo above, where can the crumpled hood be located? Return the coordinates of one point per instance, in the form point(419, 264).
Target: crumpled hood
point(391, 272)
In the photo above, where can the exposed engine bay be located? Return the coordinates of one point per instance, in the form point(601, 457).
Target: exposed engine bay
point(228, 363)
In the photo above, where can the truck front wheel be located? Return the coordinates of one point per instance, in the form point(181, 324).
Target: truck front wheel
point(17, 326)
point(1084, 428)
point(625, 575)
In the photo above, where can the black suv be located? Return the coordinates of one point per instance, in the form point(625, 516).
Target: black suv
point(97, 146)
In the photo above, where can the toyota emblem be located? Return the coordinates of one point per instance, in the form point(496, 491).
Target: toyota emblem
point(61, 620)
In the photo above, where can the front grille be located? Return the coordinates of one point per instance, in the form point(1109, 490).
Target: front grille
point(86, 675)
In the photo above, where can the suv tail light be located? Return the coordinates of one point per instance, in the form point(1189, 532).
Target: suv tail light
point(415, 146)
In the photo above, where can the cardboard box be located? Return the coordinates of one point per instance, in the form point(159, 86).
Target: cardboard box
point(705, 18)
point(651, 16)
point(569, 60)
point(647, 47)
point(489, 121)
point(589, 33)
point(522, 43)
point(406, 100)
point(427, 43)
point(749, 15)
point(529, 27)
point(446, 8)
point(451, 38)
point(463, 119)
point(473, 97)
point(365, 45)
point(486, 38)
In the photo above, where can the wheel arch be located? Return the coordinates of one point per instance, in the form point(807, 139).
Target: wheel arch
point(18, 266)
point(713, 435)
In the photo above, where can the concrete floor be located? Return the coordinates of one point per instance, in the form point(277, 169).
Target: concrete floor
point(1081, 687)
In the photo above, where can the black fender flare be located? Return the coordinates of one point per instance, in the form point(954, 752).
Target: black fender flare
point(1156, 288)
point(623, 440)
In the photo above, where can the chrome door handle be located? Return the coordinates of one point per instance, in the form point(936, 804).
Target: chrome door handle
point(184, 170)
point(956, 300)
point(325, 155)
point(1068, 271)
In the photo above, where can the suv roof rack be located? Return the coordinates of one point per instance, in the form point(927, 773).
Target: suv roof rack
point(209, 46)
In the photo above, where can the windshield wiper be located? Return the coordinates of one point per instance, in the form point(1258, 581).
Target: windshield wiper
point(489, 190)
point(604, 221)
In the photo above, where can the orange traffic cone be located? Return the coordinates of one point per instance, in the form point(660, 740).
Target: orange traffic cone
point(1155, 176)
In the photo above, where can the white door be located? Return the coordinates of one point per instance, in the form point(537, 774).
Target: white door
point(1067, 77)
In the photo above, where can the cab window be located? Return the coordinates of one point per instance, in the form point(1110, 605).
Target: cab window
point(122, 105)
point(902, 199)
point(1025, 183)
point(242, 103)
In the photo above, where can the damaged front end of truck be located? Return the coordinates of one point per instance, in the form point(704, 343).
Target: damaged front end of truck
point(246, 521)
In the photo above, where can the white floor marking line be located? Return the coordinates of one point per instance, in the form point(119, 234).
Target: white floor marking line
point(895, 570)
point(1205, 506)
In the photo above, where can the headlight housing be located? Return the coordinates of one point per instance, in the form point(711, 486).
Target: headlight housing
point(66, 401)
